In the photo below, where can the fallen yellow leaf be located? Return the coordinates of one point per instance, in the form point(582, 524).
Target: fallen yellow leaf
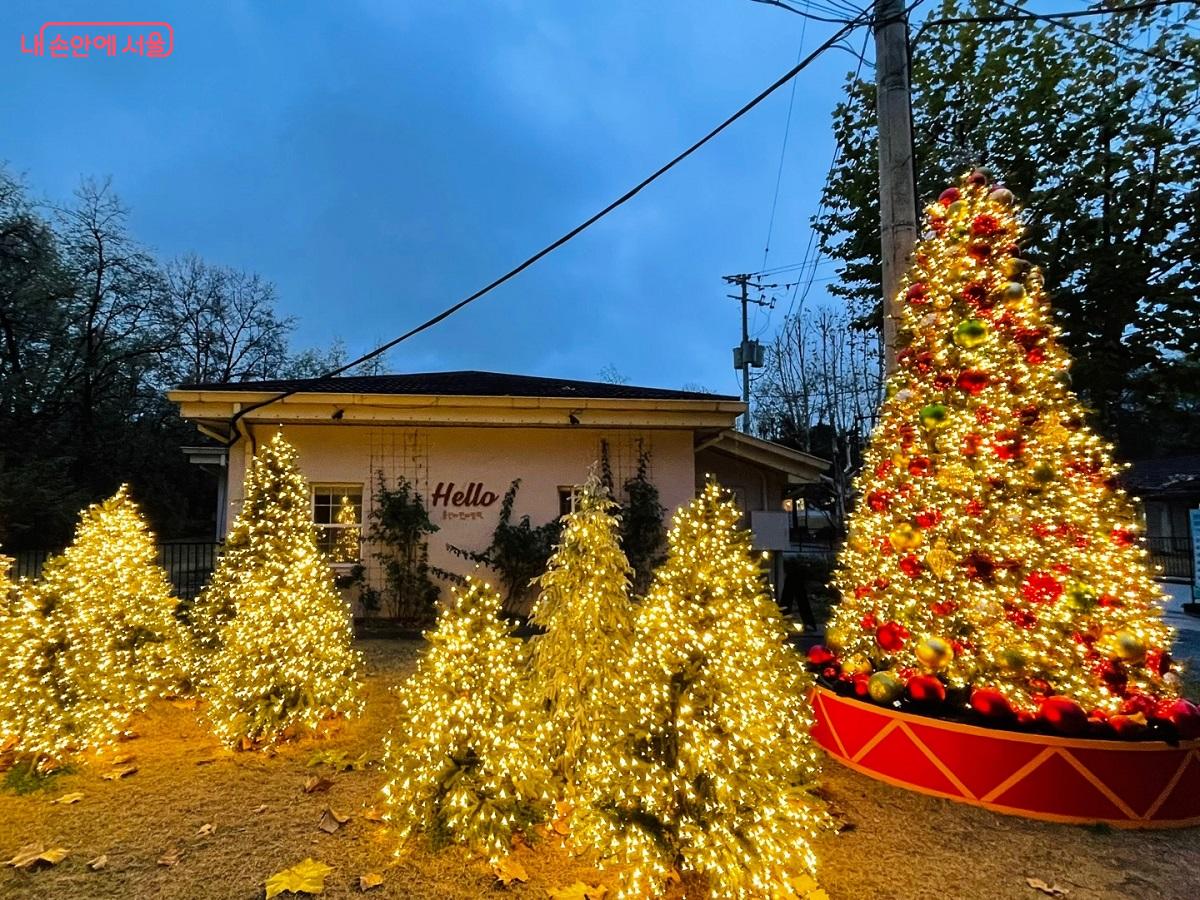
point(373, 814)
point(315, 783)
point(100, 862)
point(67, 799)
point(307, 877)
point(119, 772)
point(331, 821)
point(33, 855)
point(370, 880)
point(578, 891)
point(170, 858)
point(509, 870)
point(207, 828)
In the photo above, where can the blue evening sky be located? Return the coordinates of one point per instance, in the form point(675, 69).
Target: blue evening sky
point(378, 160)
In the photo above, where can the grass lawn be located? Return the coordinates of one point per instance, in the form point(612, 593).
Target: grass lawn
point(152, 825)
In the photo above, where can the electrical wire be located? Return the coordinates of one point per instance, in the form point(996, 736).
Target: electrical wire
point(1060, 20)
point(578, 229)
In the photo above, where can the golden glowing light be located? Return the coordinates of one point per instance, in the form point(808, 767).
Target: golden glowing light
point(91, 642)
point(275, 632)
point(992, 546)
point(461, 763)
point(704, 760)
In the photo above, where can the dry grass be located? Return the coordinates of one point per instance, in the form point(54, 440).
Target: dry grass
point(902, 845)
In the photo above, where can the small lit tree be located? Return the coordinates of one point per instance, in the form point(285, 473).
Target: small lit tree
point(346, 546)
point(585, 609)
point(462, 764)
point(98, 638)
point(708, 760)
point(282, 660)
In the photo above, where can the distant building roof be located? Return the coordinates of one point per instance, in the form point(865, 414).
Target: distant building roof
point(1175, 475)
point(458, 384)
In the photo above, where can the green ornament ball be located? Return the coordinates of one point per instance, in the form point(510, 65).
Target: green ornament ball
point(1011, 660)
point(884, 687)
point(1081, 597)
point(957, 208)
point(971, 333)
point(934, 417)
point(1043, 473)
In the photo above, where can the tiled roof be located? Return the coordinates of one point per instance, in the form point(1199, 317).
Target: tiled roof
point(1176, 474)
point(461, 384)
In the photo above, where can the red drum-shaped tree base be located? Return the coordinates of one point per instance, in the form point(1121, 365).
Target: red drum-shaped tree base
point(1126, 784)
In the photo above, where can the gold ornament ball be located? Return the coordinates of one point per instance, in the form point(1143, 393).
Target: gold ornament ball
point(934, 417)
point(858, 664)
point(971, 333)
point(1014, 292)
point(905, 537)
point(1015, 268)
point(1003, 196)
point(935, 653)
point(835, 639)
point(957, 208)
point(884, 687)
point(1129, 647)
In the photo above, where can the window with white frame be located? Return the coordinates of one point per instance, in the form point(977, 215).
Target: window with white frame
point(337, 513)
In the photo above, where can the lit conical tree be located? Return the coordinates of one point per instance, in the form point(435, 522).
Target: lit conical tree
point(346, 547)
point(992, 551)
point(709, 758)
point(100, 637)
point(462, 764)
point(283, 659)
point(585, 609)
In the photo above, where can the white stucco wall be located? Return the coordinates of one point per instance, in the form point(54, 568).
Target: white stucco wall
point(543, 458)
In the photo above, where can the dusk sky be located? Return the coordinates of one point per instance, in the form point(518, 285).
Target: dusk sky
point(379, 160)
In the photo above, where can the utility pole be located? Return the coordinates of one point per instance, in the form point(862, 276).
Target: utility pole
point(749, 353)
point(897, 175)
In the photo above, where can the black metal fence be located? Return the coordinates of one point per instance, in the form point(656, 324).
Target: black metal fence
point(188, 564)
point(1172, 554)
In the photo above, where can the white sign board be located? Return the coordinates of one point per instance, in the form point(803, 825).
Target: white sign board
point(1194, 519)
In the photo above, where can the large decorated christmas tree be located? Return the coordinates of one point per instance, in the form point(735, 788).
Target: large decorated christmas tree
point(993, 558)
point(706, 757)
point(463, 762)
point(585, 609)
point(275, 630)
point(94, 640)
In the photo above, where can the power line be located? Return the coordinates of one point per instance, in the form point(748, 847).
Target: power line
point(1060, 20)
point(578, 229)
point(787, 130)
point(805, 12)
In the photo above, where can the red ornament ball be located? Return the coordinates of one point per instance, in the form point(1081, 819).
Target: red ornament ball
point(1064, 715)
point(911, 566)
point(948, 196)
point(919, 466)
point(991, 703)
point(917, 294)
point(985, 225)
point(820, 656)
point(891, 636)
point(879, 500)
point(1041, 587)
point(1185, 716)
point(926, 689)
point(972, 381)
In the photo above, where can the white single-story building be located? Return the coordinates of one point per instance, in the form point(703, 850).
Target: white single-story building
point(461, 438)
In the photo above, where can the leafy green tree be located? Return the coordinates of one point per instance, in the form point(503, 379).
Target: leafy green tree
point(1102, 141)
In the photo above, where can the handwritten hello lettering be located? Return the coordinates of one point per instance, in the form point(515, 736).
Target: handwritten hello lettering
point(472, 495)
